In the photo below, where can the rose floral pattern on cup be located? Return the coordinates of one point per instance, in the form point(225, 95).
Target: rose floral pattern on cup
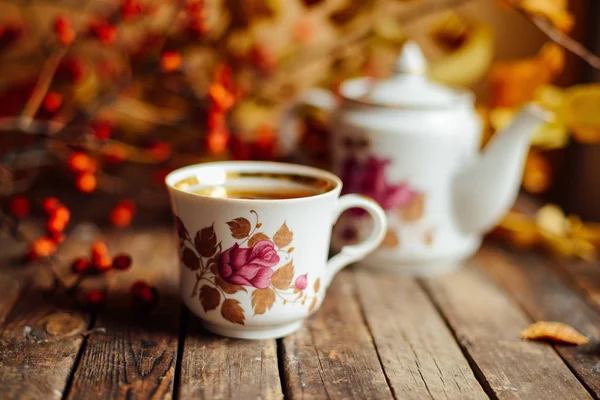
point(256, 264)
point(368, 178)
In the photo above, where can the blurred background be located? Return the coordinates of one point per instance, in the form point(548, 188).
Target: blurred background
point(99, 100)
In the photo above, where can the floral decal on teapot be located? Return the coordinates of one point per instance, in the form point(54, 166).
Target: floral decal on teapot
point(369, 179)
point(256, 264)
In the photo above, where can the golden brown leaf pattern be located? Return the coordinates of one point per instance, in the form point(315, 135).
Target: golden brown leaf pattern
point(413, 211)
point(428, 238)
point(317, 285)
point(240, 228)
point(209, 297)
point(227, 287)
point(190, 259)
point(206, 241)
point(232, 311)
point(257, 237)
point(262, 300)
point(390, 239)
point(313, 303)
point(282, 278)
point(283, 236)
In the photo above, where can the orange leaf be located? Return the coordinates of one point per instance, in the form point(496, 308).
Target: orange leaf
point(317, 285)
point(262, 300)
point(232, 311)
point(554, 332)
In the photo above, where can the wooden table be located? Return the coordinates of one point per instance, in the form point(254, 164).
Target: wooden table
point(376, 336)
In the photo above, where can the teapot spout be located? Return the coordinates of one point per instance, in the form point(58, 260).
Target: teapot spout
point(485, 190)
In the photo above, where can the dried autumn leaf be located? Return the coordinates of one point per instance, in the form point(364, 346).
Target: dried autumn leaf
point(232, 311)
point(257, 237)
point(240, 228)
point(537, 173)
point(554, 10)
point(283, 236)
point(282, 278)
point(317, 285)
point(554, 332)
point(581, 105)
point(209, 297)
point(190, 259)
point(514, 83)
point(313, 303)
point(390, 239)
point(227, 287)
point(206, 241)
point(262, 300)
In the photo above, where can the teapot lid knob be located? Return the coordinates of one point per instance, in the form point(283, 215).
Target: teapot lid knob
point(411, 60)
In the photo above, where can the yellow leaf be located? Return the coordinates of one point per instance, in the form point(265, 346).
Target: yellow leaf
point(582, 112)
point(317, 285)
point(554, 332)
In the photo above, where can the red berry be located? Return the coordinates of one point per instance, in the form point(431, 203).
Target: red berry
point(80, 265)
point(102, 129)
point(53, 102)
point(94, 297)
point(122, 262)
point(50, 204)
point(137, 287)
point(61, 23)
point(20, 207)
point(170, 61)
point(148, 294)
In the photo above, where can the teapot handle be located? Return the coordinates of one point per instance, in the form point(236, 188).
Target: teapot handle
point(356, 252)
point(319, 98)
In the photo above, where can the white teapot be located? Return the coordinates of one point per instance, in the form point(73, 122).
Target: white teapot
point(413, 145)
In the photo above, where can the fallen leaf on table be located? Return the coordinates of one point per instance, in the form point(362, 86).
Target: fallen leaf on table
point(554, 332)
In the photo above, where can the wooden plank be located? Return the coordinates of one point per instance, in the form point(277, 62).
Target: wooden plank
point(546, 297)
point(583, 275)
point(137, 355)
point(40, 338)
point(214, 367)
point(10, 289)
point(487, 324)
point(333, 356)
point(419, 354)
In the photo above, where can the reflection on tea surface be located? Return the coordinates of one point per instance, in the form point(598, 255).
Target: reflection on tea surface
point(273, 193)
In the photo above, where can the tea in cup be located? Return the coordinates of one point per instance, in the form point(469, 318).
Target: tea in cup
point(254, 242)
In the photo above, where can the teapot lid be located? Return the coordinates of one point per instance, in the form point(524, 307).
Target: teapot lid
point(409, 86)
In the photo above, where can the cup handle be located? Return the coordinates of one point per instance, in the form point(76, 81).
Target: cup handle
point(355, 252)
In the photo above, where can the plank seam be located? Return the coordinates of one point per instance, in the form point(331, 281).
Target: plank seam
point(366, 324)
point(183, 327)
point(78, 357)
point(575, 292)
point(483, 382)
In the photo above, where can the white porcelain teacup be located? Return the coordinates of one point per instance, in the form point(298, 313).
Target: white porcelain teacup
point(255, 266)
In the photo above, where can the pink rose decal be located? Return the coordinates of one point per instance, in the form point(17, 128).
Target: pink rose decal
point(249, 267)
point(368, 178)
point(301, 282)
